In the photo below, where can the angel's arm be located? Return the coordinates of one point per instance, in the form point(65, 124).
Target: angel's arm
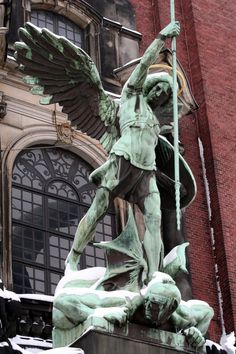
point(151, 54)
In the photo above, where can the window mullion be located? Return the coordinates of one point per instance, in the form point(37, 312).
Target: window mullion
point(47, 215)
point(55, 22)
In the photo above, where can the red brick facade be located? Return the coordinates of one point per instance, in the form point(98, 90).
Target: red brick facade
point(206, 49)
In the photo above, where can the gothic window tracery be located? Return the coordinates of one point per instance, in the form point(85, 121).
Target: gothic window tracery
point(50, 194)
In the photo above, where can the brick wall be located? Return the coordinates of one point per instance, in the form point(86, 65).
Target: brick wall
point(214, 25)
point(205, 49)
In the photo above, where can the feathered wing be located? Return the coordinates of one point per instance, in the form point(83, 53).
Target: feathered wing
point(65, 74)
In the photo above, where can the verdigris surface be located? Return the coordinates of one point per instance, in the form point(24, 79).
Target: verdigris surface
point(138, 284)
point(117, 294)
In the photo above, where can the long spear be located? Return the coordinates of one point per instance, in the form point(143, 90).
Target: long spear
point(175, 119)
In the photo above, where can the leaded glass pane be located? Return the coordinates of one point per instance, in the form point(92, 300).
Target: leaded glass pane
point(63, 216)
point(28, 244)
point(51, 192)
point(28, 279)
point(59, 25)
point(58, 251)
point(27, 207)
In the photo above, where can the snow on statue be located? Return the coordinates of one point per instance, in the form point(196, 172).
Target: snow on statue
point(141, 287)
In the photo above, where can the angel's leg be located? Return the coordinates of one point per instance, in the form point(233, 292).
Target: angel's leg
point(152, 242)
point(87, 226)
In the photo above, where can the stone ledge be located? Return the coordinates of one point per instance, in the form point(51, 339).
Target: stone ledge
point(97, 336)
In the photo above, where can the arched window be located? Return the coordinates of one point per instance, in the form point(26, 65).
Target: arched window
point(58, 24)
point(50, 194)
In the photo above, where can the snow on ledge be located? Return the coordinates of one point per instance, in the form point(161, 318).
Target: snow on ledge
point(64, 350)
point(32, 341)
point(39, 297)
point(228, 343)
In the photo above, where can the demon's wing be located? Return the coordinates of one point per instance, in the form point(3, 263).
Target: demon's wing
point(65, 74)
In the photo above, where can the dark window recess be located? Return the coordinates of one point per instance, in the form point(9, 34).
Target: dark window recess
point(58, 24)
point(51, 193)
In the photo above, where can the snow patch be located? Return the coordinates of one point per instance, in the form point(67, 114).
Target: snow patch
point(4, 344)
point(101, 294)
point(102, 311)
point(92, 274)
point(10, 295)
point(32, 341)
point(6, 294)
point(228, 343)
point(39, 297)
point(210, 343)
point(170, 257)
point(207, 190)
point(17, 347)
point(64, 350)
point(190, 303)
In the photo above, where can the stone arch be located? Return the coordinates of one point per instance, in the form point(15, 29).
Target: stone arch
point(77, 11)
point(85, 147)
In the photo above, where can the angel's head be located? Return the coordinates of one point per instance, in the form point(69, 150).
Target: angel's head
point(157, 89)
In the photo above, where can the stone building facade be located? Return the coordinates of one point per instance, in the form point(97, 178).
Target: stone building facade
point(41, 153)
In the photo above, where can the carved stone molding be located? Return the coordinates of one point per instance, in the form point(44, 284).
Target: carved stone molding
point(3, 106)
point(3, 31)
point(79, 13)
point(65, 132)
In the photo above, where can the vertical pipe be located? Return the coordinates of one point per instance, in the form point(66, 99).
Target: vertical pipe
point(175, 119)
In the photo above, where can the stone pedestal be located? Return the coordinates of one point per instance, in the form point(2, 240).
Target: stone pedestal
point(104, 338)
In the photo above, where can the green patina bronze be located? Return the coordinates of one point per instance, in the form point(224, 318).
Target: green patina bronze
point(177, 262)
point(138, 284)
point(110, 299)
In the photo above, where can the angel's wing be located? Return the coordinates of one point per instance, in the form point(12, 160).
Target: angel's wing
point(65, 74)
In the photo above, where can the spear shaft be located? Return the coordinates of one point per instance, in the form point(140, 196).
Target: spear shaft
point(175, 119)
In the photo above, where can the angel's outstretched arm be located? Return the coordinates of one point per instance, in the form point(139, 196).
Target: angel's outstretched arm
point(151, 54)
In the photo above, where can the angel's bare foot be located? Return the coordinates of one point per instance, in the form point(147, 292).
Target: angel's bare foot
point(72, 261)
point(117, 315)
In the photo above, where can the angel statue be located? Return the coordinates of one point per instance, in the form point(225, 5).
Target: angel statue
point(128, 130)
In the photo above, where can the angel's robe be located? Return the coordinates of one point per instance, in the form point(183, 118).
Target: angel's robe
point(139, 129)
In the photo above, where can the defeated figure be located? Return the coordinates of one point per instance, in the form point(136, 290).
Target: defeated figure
point(117, 293)
point(77, 299)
